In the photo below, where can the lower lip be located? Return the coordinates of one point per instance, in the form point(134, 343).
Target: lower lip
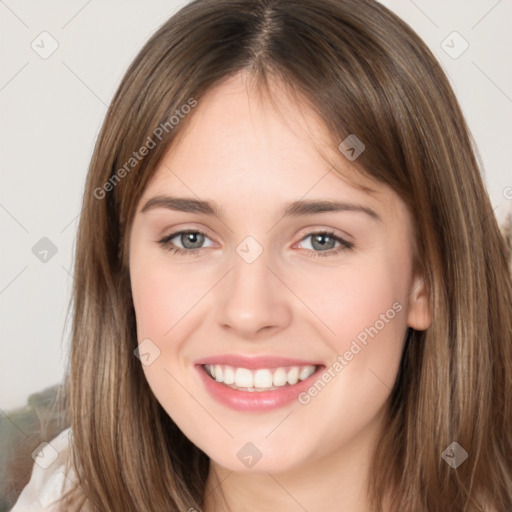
point(257, 401)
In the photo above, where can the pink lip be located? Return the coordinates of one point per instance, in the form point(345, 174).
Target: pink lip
point(254, 401)
point(255, 362)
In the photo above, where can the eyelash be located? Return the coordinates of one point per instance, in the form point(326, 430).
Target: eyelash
point(344, 247)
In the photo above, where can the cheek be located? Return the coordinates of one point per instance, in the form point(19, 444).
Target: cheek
point(362, 303)
point(353, 297)
point(364, 306)
point(162, 295)
point(153, 300)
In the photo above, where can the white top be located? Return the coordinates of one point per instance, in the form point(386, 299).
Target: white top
point(51, 476)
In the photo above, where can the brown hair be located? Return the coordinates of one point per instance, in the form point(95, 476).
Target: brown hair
point(365, 72)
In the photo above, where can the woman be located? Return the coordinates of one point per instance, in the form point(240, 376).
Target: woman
point(290, 289)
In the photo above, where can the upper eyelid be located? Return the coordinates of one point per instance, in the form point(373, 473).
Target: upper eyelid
point(335, 233)
point(175, 232)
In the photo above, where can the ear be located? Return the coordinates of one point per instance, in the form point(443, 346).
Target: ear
point(419, 316)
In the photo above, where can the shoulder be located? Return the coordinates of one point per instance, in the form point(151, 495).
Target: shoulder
point(52, 475)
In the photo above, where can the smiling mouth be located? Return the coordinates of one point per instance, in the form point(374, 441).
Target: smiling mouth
point(262, 379)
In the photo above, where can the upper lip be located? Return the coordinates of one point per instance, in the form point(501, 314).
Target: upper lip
point(254, 362)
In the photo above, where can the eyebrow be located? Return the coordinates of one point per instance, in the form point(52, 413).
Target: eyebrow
point(294, 209)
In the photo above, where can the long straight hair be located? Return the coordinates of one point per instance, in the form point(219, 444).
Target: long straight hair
point(365, 72)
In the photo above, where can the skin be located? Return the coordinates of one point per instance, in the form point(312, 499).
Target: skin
point(251, 160)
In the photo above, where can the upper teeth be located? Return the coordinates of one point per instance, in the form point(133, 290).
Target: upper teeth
point(263, 378)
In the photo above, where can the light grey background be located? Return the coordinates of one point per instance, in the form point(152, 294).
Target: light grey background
point(51, 110)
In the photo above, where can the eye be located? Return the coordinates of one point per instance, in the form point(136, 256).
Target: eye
point(326, 243)
point(189, 242)
point(184, 242)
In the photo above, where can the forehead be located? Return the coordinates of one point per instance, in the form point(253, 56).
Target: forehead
point(240, 144)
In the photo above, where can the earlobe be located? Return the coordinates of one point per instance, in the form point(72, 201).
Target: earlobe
point(419, 316)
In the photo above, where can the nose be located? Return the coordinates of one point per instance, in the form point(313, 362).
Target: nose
point(252, 300)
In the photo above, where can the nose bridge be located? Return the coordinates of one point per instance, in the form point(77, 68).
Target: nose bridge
point(252, 297)
point(251, 276)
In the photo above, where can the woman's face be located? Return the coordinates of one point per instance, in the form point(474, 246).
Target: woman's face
point(272, 332)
